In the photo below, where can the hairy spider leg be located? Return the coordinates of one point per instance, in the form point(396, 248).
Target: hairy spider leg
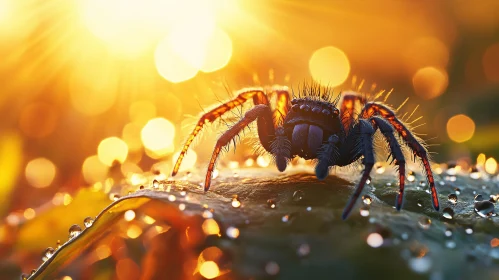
point(249, 116)
point(366, 135)
point(351, 101)
point(282, 106)
point(327, 156)
point(373, 108)
point(258, 96)
point(395, 153)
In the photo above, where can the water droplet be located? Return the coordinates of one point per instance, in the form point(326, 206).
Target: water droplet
point(422, 184)
point(298, 195)
point(58, 245)
point(232, 232)
point(33, 272)
point(272, 268)
point(303, 250)
point(114, 196)
point(88, 222)
point(309, 208)
point(74, 231)
point(236, 203)
point(24, 276)
point(469, 230)
point(380, 169)
point(485, 209)
point(181, 207)
point(452, 198)
point(367, 199)
point(448, 213)
point(420, 265)
point(450, 244)
point(494, 198)
point(475, 174)
point(271, 204)
point(141, 187)
point(420, 203)
point(364, 211)
point(172, 198)
point(478, 197)
point(448, 232)
point(375, 240)
point(368, 181)
point(183, 192)
point(288, 217)
point(458, 191)
point(207, 214)
point(48, 253)
point(424, 222)
point(155, 184)
point(410, 176)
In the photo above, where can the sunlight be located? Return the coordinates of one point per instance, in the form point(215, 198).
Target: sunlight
point(329, 66)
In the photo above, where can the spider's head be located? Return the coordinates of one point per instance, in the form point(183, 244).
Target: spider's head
point(318, 112)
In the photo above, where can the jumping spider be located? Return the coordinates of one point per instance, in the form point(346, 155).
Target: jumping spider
point(312, 126)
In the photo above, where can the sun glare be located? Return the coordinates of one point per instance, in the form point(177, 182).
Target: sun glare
point(329, 66)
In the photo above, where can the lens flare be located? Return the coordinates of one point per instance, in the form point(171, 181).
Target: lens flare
point(329, 66)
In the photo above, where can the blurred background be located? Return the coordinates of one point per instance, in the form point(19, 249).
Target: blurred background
point(91, 88)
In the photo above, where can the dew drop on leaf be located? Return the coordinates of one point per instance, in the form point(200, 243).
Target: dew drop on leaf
point(155, 184)
point(74, 231)
point(424, 222)
point(298, 195)
point(303, 250)
point(236, 203)
point(485, 209)
point(232, 232)
point(452, 198)
point(367, 199)
point(271, 204)
point(364, 211)
point(48, 253)
point(88, 222)
point(448, 213)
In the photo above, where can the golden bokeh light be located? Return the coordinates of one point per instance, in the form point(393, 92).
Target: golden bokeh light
point(158, 135)
point(133, 231)
point(112, 149)
point(329, 66)
point(142, 111)
point(490, 63)
point(170, 66)
point(480, 159)
point(218, 51)
point(40, 172)
point(38, 119)
point(188, 162)
point(430, 82)
point(94, 170)
point(129, 215)
point(491, 166)
point(29, 213)
point(426, 51)
point(210, 227)
point(209, 270)
point(460, 128)
point(131, 135)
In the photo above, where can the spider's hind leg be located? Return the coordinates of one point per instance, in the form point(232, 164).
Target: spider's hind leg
point(395, 152)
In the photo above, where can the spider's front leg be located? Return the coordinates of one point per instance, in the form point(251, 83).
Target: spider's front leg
point(366, 135)
point(259, 111)
point(265, 127)
point(395, 152)
point(327, 156)
point(374, 108)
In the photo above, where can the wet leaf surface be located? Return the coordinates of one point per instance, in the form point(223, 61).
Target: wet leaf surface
point(302, 236)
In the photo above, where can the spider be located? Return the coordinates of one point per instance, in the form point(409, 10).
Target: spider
point(313, 125)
